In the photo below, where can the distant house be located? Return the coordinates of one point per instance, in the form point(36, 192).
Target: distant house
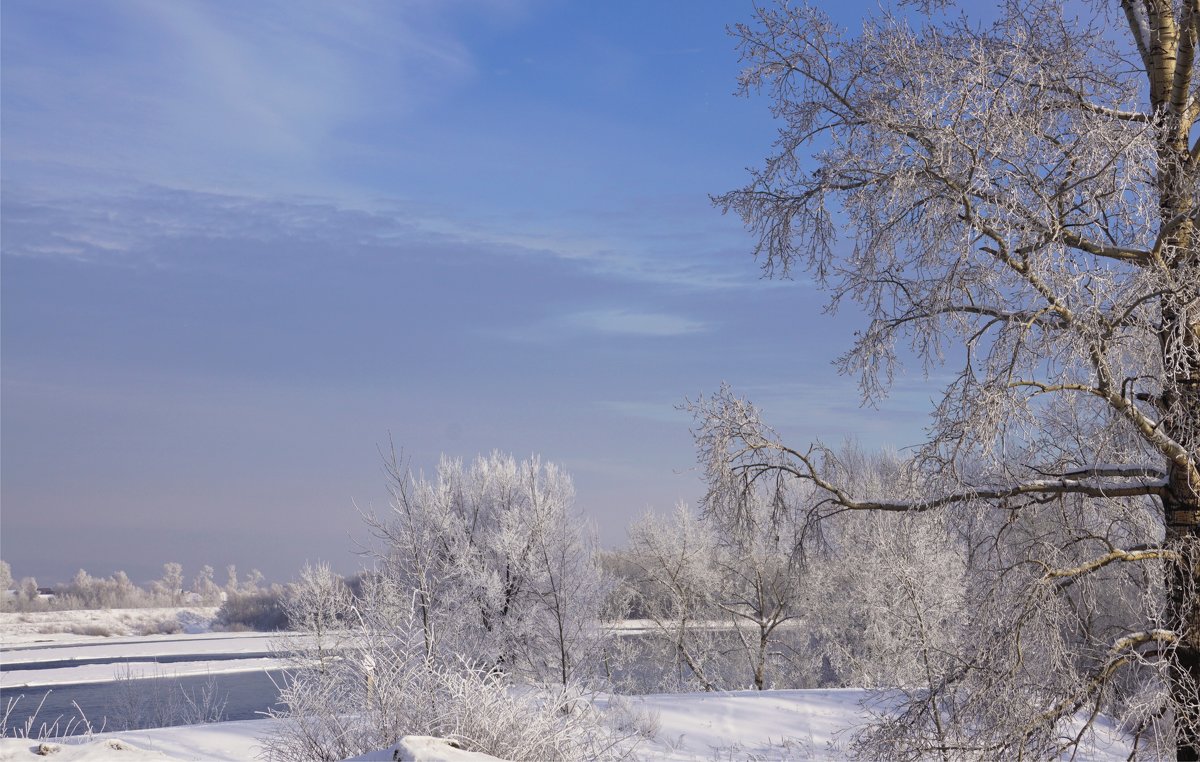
point(46, 593)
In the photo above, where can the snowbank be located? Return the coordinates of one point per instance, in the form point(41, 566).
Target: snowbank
point(83, 625)
point(222, 741)
point(789, 724)
point(424, 749)
point(813, 724)
point(15, 749)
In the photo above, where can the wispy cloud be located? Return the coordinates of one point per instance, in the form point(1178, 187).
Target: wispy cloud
point(131, 224)
point(664, 241)
point(633, 323)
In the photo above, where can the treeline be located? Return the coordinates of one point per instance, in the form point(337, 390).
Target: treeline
point(173, 588)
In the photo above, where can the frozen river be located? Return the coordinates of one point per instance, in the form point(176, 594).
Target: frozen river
point(120, 705)
point(151, 681)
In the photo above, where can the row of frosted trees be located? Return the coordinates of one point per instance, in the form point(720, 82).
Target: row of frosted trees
point(491, 616)
point(85, 591)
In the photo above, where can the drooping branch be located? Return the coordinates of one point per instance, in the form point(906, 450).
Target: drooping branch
point(1150, 429)
point(1121, 653)
point(1115, 470)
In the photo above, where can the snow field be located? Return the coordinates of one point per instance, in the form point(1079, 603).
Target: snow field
point(88, 625)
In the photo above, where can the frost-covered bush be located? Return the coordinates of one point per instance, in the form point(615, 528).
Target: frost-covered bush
point(384, 686)
point(262, 611)
point(318, 607)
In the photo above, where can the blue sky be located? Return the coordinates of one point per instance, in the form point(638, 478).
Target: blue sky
point(244, 243)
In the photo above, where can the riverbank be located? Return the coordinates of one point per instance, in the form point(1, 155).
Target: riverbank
point(88, 625)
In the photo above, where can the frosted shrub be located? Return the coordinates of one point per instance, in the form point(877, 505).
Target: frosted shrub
point(383, 687)
point(261, 611)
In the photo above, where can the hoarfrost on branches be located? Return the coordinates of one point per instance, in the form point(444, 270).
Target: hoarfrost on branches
point(1020, 199)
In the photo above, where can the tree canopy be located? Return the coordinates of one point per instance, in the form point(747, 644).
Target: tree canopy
point(1015, 201)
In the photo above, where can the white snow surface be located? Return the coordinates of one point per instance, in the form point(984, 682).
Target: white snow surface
point(85, 625)
point(752, 724)
point(12, 749)
point(424, 749)
point(234, 741)
point(136, 670)
point(220, 741)
point(792, 724)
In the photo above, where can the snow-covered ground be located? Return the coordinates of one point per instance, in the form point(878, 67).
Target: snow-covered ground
point(694, 726)
point(86, 625)
point(220, 741)
point(772, 725)
point(814, 724)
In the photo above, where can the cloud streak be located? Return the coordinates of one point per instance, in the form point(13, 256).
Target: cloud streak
point(623, 322)
point(138, 225)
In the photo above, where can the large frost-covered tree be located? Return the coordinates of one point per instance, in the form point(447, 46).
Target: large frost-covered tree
point(1016, 200)
point(496, 563)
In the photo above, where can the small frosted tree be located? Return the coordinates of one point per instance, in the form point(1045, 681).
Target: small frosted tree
point(317, 607)
point(676, 586)
point(28, 588)
point(725, 593)
point(204, 586)
point(6, 583)
point(123, 591)
point(253, 582)
point(762, 587)
point(87, 590)
point(571, 589)
point(231, 579)
point(170, 587)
